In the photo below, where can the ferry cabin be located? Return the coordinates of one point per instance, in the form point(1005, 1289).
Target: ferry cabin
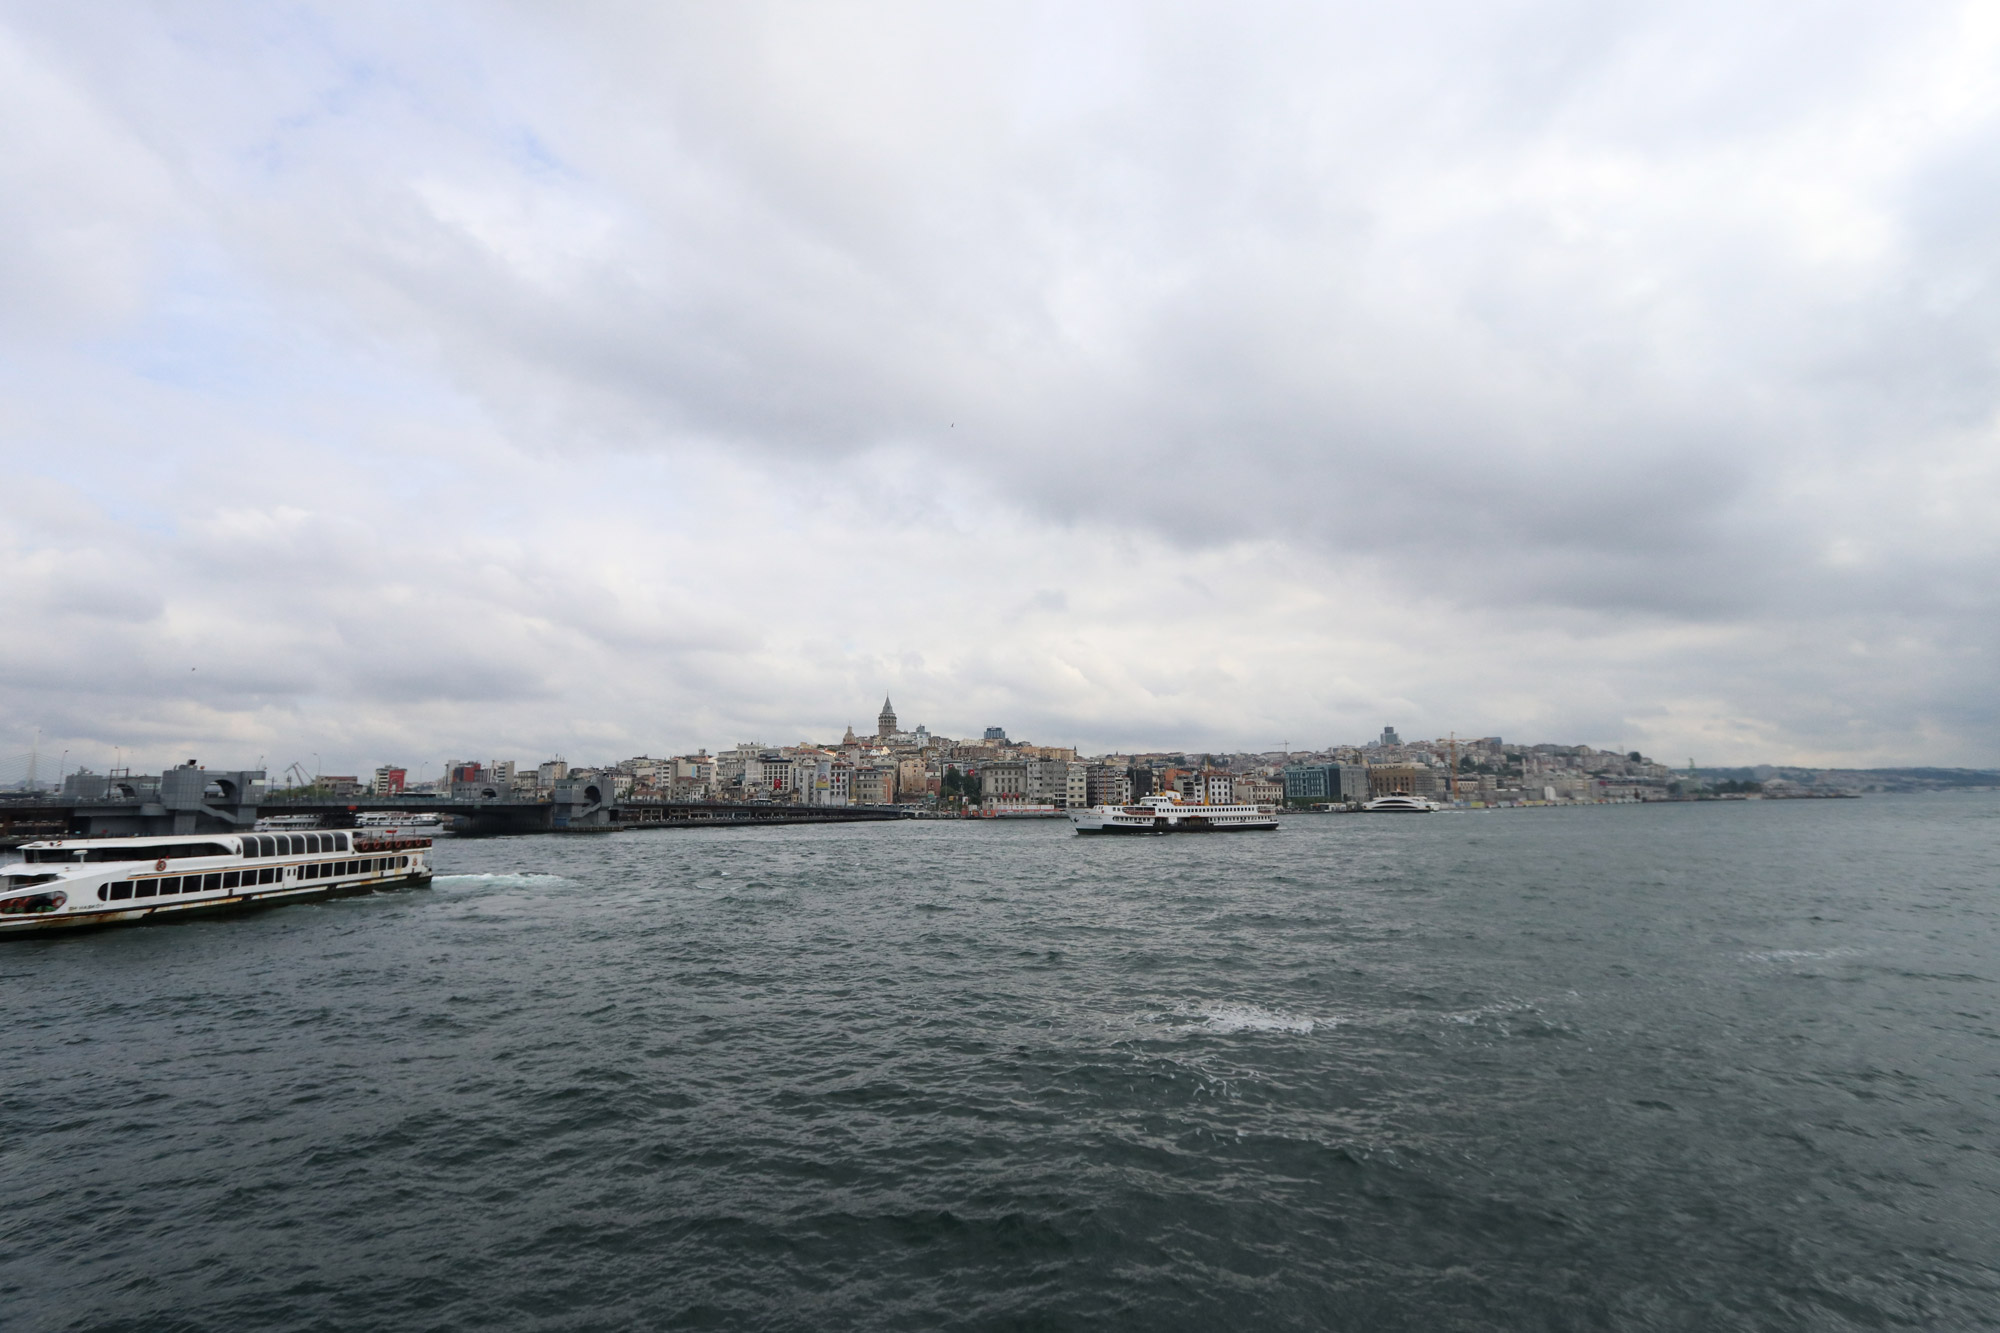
point(98, 881)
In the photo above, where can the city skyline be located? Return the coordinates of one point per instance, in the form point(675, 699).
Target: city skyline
point(383, 381)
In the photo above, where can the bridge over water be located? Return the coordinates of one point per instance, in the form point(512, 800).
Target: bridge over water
point(196, 800)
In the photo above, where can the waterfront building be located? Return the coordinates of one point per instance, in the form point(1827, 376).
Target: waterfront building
point(1257, 790)
point(874, 786)
point(388, 781)
point(885, 722)
point(1320, 784)
point(1107, 784)
point(1309, 784)
point(1004, 782)
point(1402, 780)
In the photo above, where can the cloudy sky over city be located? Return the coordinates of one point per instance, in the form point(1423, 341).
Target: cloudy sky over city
point(389, 383)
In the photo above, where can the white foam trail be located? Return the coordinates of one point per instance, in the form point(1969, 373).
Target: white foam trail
point(1249, 1018)
point(1787, 955)
point(526, 879)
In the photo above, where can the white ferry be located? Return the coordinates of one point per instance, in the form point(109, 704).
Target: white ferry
point(64, 882)
point(425, 823)
point(1169, 814)
point(1399, 805)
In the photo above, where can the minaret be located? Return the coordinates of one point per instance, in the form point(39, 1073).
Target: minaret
point(885, 725)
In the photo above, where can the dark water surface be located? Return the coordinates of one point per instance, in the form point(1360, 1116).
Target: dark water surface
point(1701, 1067)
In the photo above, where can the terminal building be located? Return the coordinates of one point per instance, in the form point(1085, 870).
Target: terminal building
point(1325, 784)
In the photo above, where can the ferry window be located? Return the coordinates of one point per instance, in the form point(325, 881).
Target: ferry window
point(312, 842)
point(298, 844)
point(231, 878)
point(171, 884)
point(103, 892)
point(402, 861)
point(268, 875)
point(147, 888)
point(267, 845)
point(341, 840)
point(122, 889)
point(213, 881)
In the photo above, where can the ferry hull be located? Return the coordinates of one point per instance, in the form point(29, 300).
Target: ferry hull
point(164, 912)
point(1133, 830)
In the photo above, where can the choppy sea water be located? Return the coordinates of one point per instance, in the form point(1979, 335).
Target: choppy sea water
point(1702, 1067)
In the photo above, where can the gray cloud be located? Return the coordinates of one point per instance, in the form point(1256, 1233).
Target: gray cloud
point(496, 377)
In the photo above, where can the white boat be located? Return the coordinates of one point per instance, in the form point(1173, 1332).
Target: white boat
point(1399, 805)
point(1169, 814)
point(425, 823)
point(66, 882)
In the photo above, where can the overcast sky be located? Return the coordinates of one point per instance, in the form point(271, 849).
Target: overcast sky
point(394, 383)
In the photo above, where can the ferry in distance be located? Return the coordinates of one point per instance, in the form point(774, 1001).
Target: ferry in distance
point(426, 823)
point(60, 883)
point(1167, 813)
point(1399, 805)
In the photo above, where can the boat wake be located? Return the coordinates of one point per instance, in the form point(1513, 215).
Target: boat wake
point(1227, 1018)
point(525, 879)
